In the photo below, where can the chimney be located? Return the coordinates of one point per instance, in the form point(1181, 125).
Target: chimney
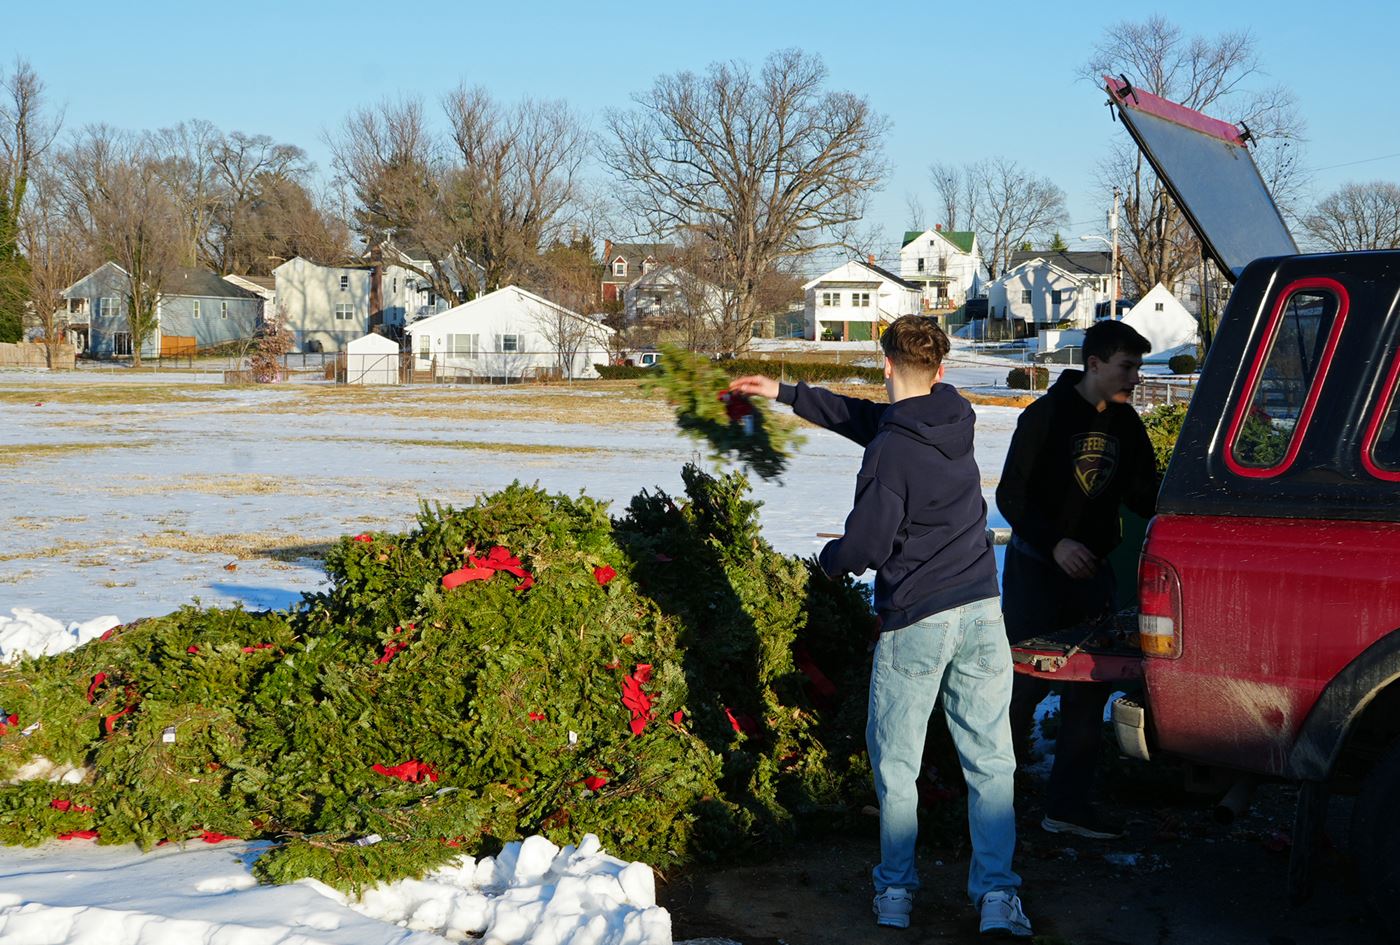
point(607, 252)
point(870, 259)
point(938, 228)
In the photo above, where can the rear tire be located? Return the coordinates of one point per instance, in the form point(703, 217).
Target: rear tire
point(1375, 839)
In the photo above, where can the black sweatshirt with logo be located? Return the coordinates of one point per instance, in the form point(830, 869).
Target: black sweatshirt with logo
point(919, 520)
point(1069, 468)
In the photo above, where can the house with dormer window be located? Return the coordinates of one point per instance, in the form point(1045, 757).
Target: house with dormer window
point(946, 264)
point(625, 263)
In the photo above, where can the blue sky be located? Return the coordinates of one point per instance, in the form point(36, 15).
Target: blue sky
point(958, 81)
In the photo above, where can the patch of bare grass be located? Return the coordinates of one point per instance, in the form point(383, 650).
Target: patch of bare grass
point(237, 484)
point(59, 550)
point(22, 453)
point(106, 394)
point(242, 546)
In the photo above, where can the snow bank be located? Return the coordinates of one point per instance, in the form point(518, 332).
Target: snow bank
point(533, 892)
point(28, 633)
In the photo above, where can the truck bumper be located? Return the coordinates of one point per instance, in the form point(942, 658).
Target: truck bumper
point(1130, 725)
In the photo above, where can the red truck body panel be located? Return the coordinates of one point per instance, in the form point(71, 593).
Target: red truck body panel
point(1272, 611)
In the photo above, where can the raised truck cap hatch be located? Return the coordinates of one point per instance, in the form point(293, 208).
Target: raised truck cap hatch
point(1206, 166)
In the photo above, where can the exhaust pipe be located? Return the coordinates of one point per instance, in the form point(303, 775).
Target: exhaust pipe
point(1236, 801)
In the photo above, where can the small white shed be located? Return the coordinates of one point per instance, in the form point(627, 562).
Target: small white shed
point(1163, 321)
point(508, 335)
point(372, 359)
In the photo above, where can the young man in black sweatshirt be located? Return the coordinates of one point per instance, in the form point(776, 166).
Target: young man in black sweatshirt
point(920, 523)
point(1078, 453)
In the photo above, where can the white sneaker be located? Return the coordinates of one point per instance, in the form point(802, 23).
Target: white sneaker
point(892, 908)
point(1001, 912)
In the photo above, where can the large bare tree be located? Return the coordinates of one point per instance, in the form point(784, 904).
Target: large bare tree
point(1008, 207)
point(498, 187)
point(55, 260)
point(27, 130)
point(1220, 75)
point(756, 165)
point(115, 189)
point(1357, 216)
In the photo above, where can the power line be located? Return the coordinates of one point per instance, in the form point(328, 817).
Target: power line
point(1369, 160)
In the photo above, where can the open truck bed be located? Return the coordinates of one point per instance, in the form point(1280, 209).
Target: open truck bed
point(1103, 650)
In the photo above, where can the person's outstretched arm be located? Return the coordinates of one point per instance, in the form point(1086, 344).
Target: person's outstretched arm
point(852, 417)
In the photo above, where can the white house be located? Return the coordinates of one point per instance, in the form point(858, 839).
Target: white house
point(1040, 293)
point(670, 292)
point(372, 359)
point(509, 334)
point(1161, 318)
point(852, 301)
point(324, 307)
point(946, 264)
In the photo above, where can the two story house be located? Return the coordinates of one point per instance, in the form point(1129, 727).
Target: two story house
point(945, 264)
point(624, 263)
point(852, 301)
point(1041, 291)
point(196, 309)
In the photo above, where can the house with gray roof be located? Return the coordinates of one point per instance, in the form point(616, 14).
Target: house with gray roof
point(196, 309)
point(624, 263)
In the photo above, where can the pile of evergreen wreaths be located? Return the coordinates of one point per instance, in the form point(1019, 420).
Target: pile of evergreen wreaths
point(665, 680)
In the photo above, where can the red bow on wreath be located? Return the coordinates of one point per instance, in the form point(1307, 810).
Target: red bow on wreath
point(481, 569)
point(637, 701)
point(410, 771)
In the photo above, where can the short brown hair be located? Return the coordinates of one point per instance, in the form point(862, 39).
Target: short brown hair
point(914, 342)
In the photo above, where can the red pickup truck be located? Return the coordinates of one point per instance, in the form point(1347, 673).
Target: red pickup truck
point(1269, 581)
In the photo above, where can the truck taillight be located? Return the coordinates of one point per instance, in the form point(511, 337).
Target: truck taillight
point(1159, 591)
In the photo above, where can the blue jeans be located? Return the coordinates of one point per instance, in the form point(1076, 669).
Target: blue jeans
point(963, 655)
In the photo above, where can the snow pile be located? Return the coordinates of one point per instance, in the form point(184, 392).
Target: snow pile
point(28, 633)
point(533, 892)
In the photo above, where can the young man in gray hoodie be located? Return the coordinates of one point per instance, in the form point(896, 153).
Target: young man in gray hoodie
point(920, 523)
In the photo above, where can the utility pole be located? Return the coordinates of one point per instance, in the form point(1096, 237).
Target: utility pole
point(1113, 265)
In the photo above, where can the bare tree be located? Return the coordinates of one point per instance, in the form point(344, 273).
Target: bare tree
point(515, 178)
point(116, 194)
point(1204, 74)
point(757, 166)
point(498, 188)
point(916, 218)
point(1007, 207)
point(55, 261)
point(1357, 216)
point(950, 182)
point(27, 130)
point(184, 160)
point(248, 171)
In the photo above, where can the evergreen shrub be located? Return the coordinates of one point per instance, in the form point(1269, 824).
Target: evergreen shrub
point(665, 680)
point(1182, 364)
point(1163, 425)
point(1034, 377)
point(621, 372)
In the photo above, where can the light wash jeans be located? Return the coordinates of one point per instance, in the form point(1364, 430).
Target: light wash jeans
point(964, 655)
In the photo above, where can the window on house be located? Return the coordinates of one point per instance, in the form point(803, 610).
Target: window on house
point(831, 299)
point(344, 282)
point(921, 264)
point(121, 343)
point(509, 342)
point(109, 307)
point(1026, 296)
point(860, 299)
point(344, 312)
point(648, 265)
point(223, 310)
point(1158, 307)
point(463, 346)
point(1195, 295)
point(194, 309)
point(620, 267)
point(425, 346)
point(942, 263)
point(1056, 296)
point(396, 284)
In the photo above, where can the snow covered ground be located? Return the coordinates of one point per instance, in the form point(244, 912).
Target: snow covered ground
point(125, 495)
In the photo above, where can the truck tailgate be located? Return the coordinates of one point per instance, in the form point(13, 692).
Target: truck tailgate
point(1099, 651)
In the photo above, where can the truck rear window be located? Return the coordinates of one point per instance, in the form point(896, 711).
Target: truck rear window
point(1287, 377)
point(1380, 449)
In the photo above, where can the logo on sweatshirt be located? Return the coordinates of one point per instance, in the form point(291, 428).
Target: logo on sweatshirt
point(1095, 457)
